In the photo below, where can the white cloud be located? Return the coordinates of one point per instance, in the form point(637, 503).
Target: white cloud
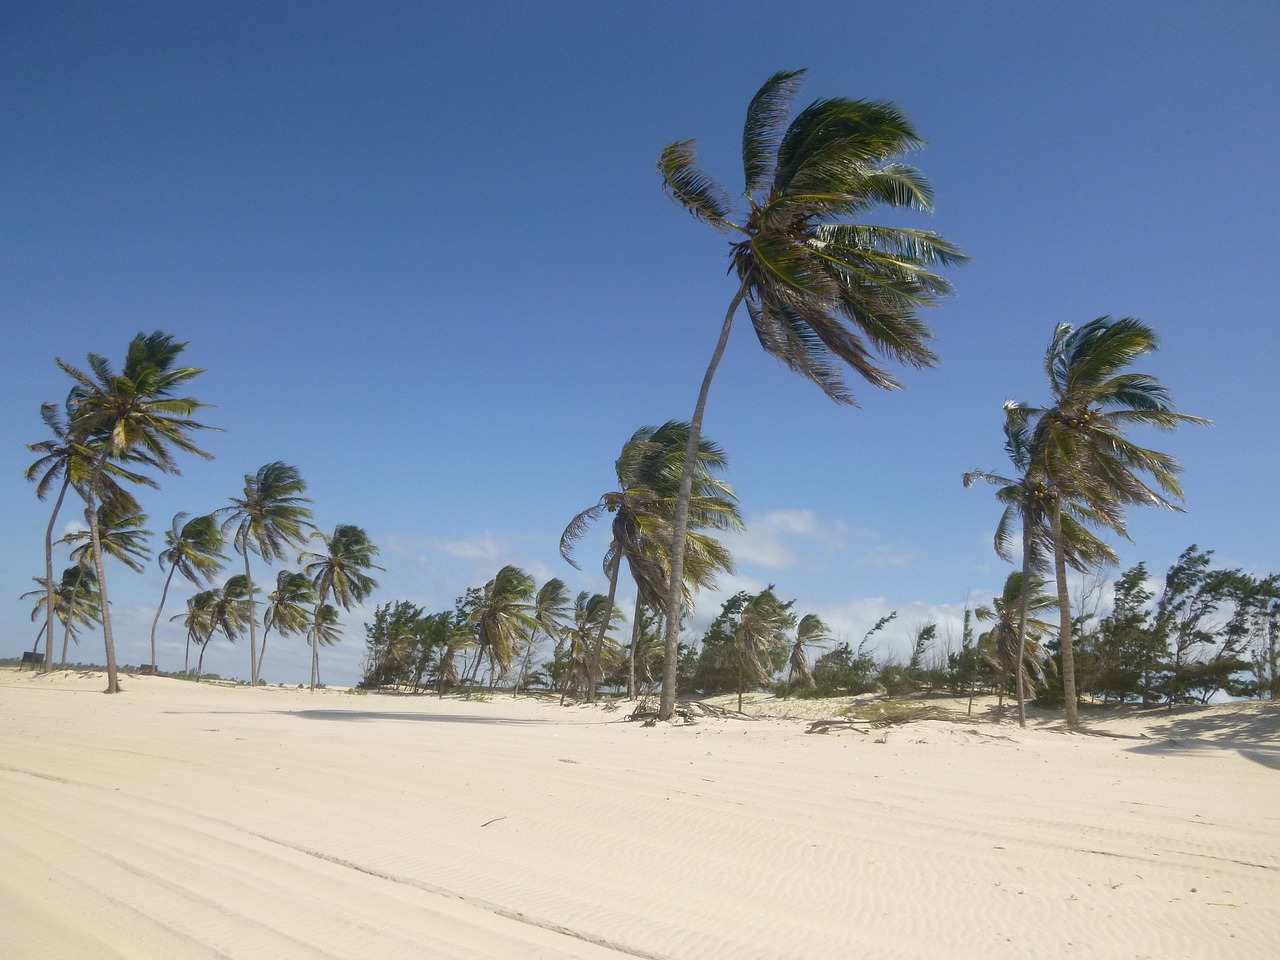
point(788, 538)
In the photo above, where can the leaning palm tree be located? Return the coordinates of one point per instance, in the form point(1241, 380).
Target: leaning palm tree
point(761, 626)
point(131, 417)
point(339, 573)
point(288, 608)
point(1012, 646)
point(648, 473)
point(270, 520)
point(75, 599)
point(198, 620)
point(820, 289)
point(811, 632)
point(1027, 501)
point(194, 549)
point(592, 612)
point(551, 611)
point(504, 616)
point(66, 461)
point(322, 630)
point(1080, 443)
point(122, 534)
point(228, 608)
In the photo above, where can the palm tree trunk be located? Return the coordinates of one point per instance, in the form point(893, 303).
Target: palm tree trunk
point(66, 641)
point(164, 594)
point(675, 586)
point(1064, 612)
point(253, 622)
point(631, 654)
point(48, 572)
point(604, 627)
point(1022, 621)
point(108, 638)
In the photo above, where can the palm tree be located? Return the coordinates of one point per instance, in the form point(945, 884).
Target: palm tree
point(1027, 502)
point(820, 289)
point(648, 472)
point(339, 573)
point(1080, 442)
point(75, 599)
point(592, 615)
point(121, 533)
point(269, 520)
point(811, 632)
point(504, 616)
point(133, 416)
point(288, 608)
point(761, 626)
point(227, 608)
point(322, 629)
point(551, 611)
point(1012, 645)
point(65, 457)
point(194, 549)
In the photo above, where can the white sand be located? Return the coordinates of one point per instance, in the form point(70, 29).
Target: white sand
point(179, 821)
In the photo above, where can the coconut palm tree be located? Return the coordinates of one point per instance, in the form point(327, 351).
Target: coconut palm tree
point(1012, 645)
point(1080, 442)
point(339, 573)
point(228, 608)
point(591, 612)
point(288, 608)
point(762, 626)
point(75, 599)
point(194, 549)
point(131, 417)
point(321, 630)
point(1027, 501)
point(551, 611)
point(821, 289)
point(66, 458)
point(122, 533)
point(270, 520)
point(502, 619)
point(648, 474)
point(811, 632)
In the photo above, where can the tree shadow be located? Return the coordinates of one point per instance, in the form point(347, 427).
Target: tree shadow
point(1252, 731)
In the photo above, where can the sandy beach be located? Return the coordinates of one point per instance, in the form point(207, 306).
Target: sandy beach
point(180, 820)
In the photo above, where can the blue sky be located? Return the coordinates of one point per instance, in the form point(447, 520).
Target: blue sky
point(423, 255)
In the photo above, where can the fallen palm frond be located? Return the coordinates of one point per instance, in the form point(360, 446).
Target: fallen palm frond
point(886, 717)
point(688, 711)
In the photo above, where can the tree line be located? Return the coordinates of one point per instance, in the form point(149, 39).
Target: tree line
point(110, 436)
point(826, 292)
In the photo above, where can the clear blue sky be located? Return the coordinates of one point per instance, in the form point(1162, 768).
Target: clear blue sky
point(422, 252)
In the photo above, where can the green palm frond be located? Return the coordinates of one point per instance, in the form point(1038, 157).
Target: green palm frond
point(762, 132)
point(685, 183)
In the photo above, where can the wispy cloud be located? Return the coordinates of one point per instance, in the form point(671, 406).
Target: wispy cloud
point(794, 537)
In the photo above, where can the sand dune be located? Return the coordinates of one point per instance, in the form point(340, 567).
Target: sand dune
point(179, 821)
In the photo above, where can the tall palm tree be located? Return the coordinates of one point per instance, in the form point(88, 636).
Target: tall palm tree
point(591, 613)
point(339, 573)
point(75, 599)
point(228, 608)
point(270, 520)
point(288, 608)
point(194, 549)
point(1012, 645)
point(761, 626)
point(66, 458)
point(322, 629)
point(1027, 501)
point(820, 289)
point(551, 612)
point(504, 616)
point(811, 632)
point(1080, 442)
point(643, 506)
point(134, 416)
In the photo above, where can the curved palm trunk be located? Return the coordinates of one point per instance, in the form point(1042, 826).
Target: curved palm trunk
point(675, 586)
point(594, 666)
point(263, 652)
point(95, 533)
point(631, 654)
point(1022, 621)
point(253, 623)
point(48, 572)
point(66, 642)
point(164, 595)
point(1064, 611)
